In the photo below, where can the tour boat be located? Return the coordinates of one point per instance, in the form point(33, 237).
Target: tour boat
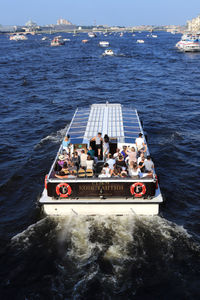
point(57, 41)
point(86, 191)
point(104, 44)
point(189, 43)
point(108, 52)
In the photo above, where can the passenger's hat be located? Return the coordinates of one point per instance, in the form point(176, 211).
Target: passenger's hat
point(61, 157)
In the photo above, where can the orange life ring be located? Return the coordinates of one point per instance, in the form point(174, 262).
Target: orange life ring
point(61, 185)
point(45, 182)
point(136, 193)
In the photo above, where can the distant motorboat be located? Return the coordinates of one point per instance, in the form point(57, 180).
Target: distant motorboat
point(57, 41)
point(92, 34)
point(108, 52)
point(44, 38)
point(121, 34)
point(18, 37)
point(104, 44)
point(66, 40)
point(154, 36)
point(140, 41)
point(85, 41)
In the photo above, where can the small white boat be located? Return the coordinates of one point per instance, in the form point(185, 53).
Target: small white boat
point(121, 34)
point(18, 37)
point(104, 44)
point(44, 38)
point(66, 40)
point(108, 52)
point(57, 41)
point(92, 34)
point(154, 36)
point(140, 41)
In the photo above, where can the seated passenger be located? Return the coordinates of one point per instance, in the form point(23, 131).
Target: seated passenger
point(141, 165)
point(66, 143)
point(140, 145)
point(63, 175)
point(121, 163)
point(72, 167)
point(116, 155)
point(111, 162)
point(89, 163)
point(116, 172)
point(105, 171)
point(148, 164)
point(75, 159)
point(140, 157)
point(61, 160)
point(106, 147)
point(133, 170)
point(91, 152)
point(83, 158)
point(124, 152)
point(131, 155)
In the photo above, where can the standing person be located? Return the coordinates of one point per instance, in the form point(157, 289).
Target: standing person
point(66, 143)
point(98, 139)
point(106, 147)
point(140, 145)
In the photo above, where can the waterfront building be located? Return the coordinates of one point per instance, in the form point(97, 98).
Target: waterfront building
point(63, 22)
point(194, 24)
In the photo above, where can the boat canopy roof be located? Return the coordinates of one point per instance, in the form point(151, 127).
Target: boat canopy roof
point(117, 121)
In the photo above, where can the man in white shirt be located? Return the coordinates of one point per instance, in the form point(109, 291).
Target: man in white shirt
point(140, 145)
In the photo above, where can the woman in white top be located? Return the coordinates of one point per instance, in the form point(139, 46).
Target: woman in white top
point(83, 158)
point(89, 163)
point(133, 170)
point(105, 171)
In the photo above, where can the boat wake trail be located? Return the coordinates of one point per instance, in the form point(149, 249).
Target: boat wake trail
point(53, 138)
point(98, 257)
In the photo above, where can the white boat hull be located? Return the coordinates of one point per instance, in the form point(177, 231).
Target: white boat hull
point(96, 206)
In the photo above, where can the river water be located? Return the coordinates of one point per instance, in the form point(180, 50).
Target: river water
point(98, 257)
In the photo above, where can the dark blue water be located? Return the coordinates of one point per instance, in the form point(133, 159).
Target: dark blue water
point(98, 258)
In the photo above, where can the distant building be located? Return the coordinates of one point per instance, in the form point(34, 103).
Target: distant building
point(194, 24)
point(30, 23)
point(63, 22)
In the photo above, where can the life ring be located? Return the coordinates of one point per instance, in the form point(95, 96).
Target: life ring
point(63, 185)
point(45, 182)
point(137, 193)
